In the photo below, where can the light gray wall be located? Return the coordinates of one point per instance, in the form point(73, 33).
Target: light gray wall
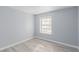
point(64, 26)
point(14, 26)
point(78, 26)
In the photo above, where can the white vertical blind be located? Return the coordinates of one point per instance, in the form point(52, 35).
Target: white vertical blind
point(46, 24)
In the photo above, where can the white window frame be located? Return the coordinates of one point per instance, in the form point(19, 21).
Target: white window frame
point(46, 25)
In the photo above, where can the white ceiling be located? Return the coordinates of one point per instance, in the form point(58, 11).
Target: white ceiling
point(38, 9)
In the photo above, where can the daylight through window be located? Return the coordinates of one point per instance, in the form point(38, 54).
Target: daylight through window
point(46, 24)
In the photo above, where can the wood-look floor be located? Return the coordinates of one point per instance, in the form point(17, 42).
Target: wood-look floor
point(39, 45)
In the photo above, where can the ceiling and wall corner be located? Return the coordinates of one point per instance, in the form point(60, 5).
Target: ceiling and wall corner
point(38, 9)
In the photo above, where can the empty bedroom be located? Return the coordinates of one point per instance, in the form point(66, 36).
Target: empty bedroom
point(39, 29)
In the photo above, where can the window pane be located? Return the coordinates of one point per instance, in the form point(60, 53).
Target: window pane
point(45, 25)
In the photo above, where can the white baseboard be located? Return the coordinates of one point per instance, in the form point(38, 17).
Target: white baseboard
point(65, 44)
point(16, 43)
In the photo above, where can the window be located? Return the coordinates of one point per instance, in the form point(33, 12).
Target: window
point(46, 24)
